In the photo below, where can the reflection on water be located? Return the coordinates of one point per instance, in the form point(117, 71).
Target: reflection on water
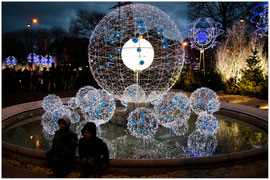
point(232, 137)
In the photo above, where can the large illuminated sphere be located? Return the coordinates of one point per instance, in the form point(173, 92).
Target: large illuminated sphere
point(142, 123)
point(134, 93)
point(207, 124)
point(204, 99)
point(199, 145)
point(174, 110)
point(136, 44)
point(51, 102)
point(104, 110)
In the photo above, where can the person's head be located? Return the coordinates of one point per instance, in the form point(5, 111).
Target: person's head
point(89, 130)
point(64, 122)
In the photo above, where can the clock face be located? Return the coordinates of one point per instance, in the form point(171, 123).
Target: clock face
point(137, 54)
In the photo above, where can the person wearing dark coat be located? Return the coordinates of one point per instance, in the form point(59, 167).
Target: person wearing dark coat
point(93, 151)
point(61, 157)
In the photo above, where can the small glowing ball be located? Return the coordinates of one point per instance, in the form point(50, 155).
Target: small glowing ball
point(199, 145)
point(204, 99)
point(173, 110)
point(73, 103)
point(86, 95)
point(104, 110)
point(74, 117)
point(207, 124)
point(51, 102)
point(88, 98)
point(180, 130)
point(155, 97)
point(136, 44)
point(134, 93)
point(142, 123)
point(49, 122)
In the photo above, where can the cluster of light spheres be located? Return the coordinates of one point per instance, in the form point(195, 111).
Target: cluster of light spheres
point(136, 44)
point(200, 145)
point(40, 60)
point(204, 100)
point(142, 123)
point(202, 34)
point(174, 110)
point(261, 19)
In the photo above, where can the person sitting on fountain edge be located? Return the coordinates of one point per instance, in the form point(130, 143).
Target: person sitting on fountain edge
point(93, 152)
point(61, 157)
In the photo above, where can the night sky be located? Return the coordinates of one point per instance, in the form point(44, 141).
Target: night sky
point(16, 15)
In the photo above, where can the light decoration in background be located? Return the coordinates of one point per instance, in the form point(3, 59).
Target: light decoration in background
point(204, 99)
point(174, 110)
point(202, 35)
point(207, 124)
point(200, 145)
point(261, 19)
point(11, 61)
point(40, 60)
point(136, 44)
point(142, 123)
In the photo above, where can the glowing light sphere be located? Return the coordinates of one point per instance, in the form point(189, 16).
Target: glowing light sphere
point(155, 97)
point(142, 123)
point(73, 103)
point(134, 93)
point(136, 44)
point(104, 110)
point(199, 145)
point(174, 109)
point(74, 117)
point(204, 99)
point(51, 102)
point(261, 19)
point(11, 61)
point(88, 98)
point(202, 34)
point(180, 130)
point(49, 122)
point(207, 124)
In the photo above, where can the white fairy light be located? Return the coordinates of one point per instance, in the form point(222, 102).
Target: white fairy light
point(174, 110)
point(204, 99)
point(51, 102)
point(136, 44)
point(207, 124)
point(155, 97)
point(142, 123)
point(200, 145)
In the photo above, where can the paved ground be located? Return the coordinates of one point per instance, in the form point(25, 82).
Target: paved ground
point(248, 168)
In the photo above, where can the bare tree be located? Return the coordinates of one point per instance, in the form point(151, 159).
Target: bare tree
point(231, 55)
point(84, 23)
point(226, 13)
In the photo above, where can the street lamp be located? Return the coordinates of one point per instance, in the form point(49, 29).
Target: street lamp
point(33, 20)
